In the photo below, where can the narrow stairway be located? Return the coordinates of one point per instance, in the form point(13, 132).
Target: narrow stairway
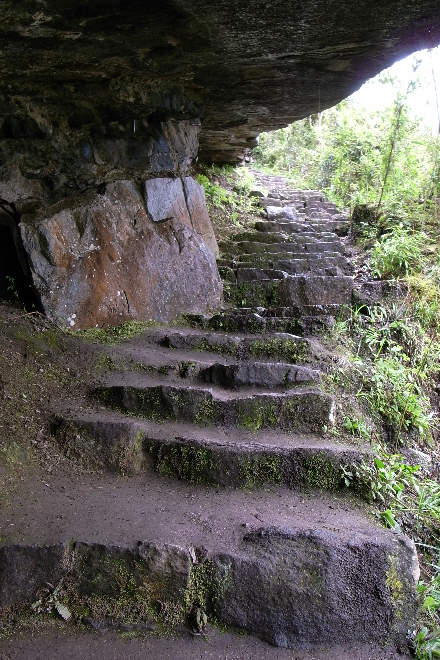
point(217, 491)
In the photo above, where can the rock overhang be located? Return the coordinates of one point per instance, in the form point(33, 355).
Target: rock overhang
point(110, 67)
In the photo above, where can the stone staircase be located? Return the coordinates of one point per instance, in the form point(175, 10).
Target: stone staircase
point(217, 491)
point(292, 272)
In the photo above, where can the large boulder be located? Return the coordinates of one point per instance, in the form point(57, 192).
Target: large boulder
point(100, 259)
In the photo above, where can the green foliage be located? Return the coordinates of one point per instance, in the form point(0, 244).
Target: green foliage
point(216, 195)
point(360, 158)
point(395, 393)
point(428, 637)
point(398, 489)
point(244, 181)
point(228, 189)
point(114, 334)
point(398, 252)
point(395, 362)
point(357, 427)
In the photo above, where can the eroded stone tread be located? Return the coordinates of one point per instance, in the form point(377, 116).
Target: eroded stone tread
point(212, 455)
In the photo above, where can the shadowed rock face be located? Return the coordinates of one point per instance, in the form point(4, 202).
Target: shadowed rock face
point(95, 94)
point(242, 67)
point(100, 260)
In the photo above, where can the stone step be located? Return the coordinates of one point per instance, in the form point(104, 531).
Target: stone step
point(291, 291)
point(196, 367)
point(299, 409)
point(279, 237)
point(214, 644)
point(298, 238)
point(278, 346)
point(281, 213)
point(297, 311)
point(316, 290)
point(298, 321)
point(254, 247)
point(259, 259)
point(305, 230)
point(210, 456)
point(287, 264)
point(307, 326)
point(254, 274)
point(292, 569)
point(264, 293)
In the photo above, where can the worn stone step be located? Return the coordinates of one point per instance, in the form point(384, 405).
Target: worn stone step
point(279, 237)
point(297, 321)
point(299, 409)
point(298, 267)
point(293, 266)
point(271, 226)
point(291, 291)
point(280, 346)
point(258, 374)
point(270, 201)
point(268, 257)
point(219, 457)
point(254, 274)
point(299, 248)
point(305, 325)
point(300, 238)
point(281, 213)
point(204, 367)
point(215, 644)
point(289, 568)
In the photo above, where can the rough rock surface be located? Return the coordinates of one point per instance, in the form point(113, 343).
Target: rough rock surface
point(99, 258)
point(105, 68)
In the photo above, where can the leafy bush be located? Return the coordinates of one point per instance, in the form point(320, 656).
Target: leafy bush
point(395, 393)
point(428, 637)
point(398, 252)
point(244, 181)
point(218, 196)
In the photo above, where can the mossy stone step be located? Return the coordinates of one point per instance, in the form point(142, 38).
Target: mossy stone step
point(299, 248)
point(241, 459)
point(289, 567)
point(307, 326)
point(296, 409)
point(303, 230)
point(293, 320)
point(282, 346)
point(262, 293)
point(194, 367)
point(293, 266)
point(292, 291)
point(298, 311)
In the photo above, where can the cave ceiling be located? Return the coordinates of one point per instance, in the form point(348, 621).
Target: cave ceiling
point(241, 67)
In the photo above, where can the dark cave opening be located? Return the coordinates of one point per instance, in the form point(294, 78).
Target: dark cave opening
point(15, 277)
